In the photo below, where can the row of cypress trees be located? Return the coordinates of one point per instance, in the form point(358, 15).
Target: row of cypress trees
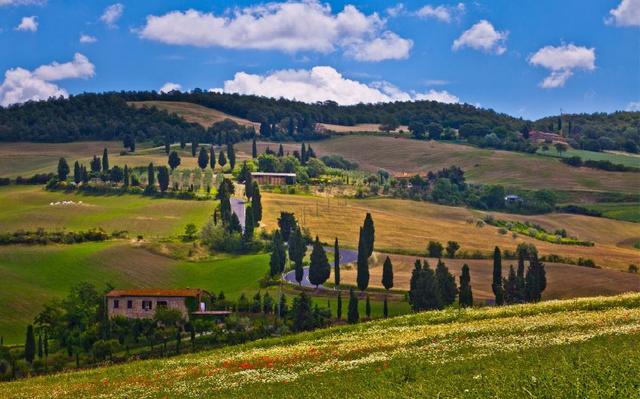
point(519, 286)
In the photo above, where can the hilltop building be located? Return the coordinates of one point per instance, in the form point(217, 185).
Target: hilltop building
point(274, 179)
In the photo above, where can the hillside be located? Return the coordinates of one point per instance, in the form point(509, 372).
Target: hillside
point(539, 350)
point(193, 113)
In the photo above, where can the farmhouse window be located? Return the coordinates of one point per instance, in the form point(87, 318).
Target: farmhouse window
point(161, 304)
point(146, 305)
point(129, 304)
point(116, 304)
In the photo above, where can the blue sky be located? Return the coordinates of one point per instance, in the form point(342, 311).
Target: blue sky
point(528, 58)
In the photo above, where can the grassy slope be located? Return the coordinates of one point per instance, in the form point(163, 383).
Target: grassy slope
point(37, 274)
point(629, 211)
point(410, 225)
point(28, 207)
point(541, 350)
point(194, 113)
point(481, 165)
point(619, 158)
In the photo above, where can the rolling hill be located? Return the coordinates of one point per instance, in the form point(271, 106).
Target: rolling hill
point(193, 112)
point(539, 350)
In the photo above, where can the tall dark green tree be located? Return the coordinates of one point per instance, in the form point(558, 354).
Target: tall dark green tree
point(183, 140)
point(254, 149)
point(496, 285)
point(367, 308)
point(466, 294)
point(385, 308)
point(339, 306)
point(422, 288)
point(249, 225)
point(222, 159)
point(194, 145)
point(231, 155)
point(167, 144)
point(336, 263)
point(319, 268)
point(434, 249)
point(362, 277)
point(203, 158)
point(369, 232)
point(303, 154)
point(520, 278)
point(212, 157)
point(105, 160)
point(248, 185)
point(301, 313)
point(95, 164)
point(287, 223)
point(445, 285)
point(77, 173)
point(387, 274)
point(151, 178)
point(174, 160)
point(163, 178)
point(280, 151)
point(63, 169)
point(126, 178)
point(278, 254)
point(29, 345)
point(297, 250)
point(535, 280)
point(353, 315)
point(256, 203)
point(510, 286)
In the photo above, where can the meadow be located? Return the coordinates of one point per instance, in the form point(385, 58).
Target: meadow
point(407, 226)
point(618, 210)
point(194, 113)
point(536, 350)
point(614, 157)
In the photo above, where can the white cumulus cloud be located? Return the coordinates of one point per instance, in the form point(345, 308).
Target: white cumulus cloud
point(21, 2)
point(88, 39)
point(288, 27)
point(483, 36)
point(442, 13)
point(112, 14)
point(626, 14)
point(322, 83)
point(562, 61)
point(22, 85)
point(169, 86)
point(633, 106)
point(28, 24)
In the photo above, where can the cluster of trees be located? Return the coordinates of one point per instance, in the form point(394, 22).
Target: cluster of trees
point(598, 131)
point(519, 286)
point(303, 163)
point(41, 236)
point(604, 164)
point(429, 289)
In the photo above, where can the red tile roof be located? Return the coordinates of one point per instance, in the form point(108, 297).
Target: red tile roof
point(184, 292)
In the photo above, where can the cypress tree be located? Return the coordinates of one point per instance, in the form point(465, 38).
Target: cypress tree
point(231, 154)
point(163, 178)
point(319, 269)
point(248, 185)
point(339, 306)
point(174, 160)
point(254, 149)
point(387, 274)
point(212, 157)
point(303, 154)
point(63, 169)
point(520, 279)
point(297, 250)
point(256, 203)
point(535, 280)
point(274, 261)
point(29, 345)
point(167, 144)
point(368, 231)
point(77, 172)
point(310, 152)
point(367, 308)
point(445, 285)
point(510, 285)
point(496, 285)
point(249, 225)
point(126, 176)
point(353, 316)
point(151, 179)
point(183, 140)
point(280, 151)
point(105, 161)
point(466, 295)
point(194, 145)
point(95, 164)
point(222, 159)
point(203, 158)
point(40, 349)
point(336, 263)
point(363, 264)
point(385, 308)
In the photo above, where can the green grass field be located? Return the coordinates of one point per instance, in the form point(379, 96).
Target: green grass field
point(28, 207)
point(618, 158)
point(629, 211)
point(585, 348)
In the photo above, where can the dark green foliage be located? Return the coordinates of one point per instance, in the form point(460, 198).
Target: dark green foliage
point(287, 223)
point(254, 149)
point(256, 203)
point(203, 158)
point(339, 306)
point(302, 313)
point(466, 294)
point(336, 263)
point(510, 285)
point(353, 315)
point(452, 248)
point(387, 274)
point(222, 159)
point(116, 174)
point(167, 144)
point(435, 249)
point(297, 250)
point(423, 293)
point(105, 160)
point(63, 169)
point(231, 155)
point(280, 151)
point(368, 232)
point(77, 172)
point(163, 178)
point(278, 255)
point(194, 146)
point(362, 264)
point(267, 304)
point(212, 158)
point(249, 225)
point(319, 269)
point(174, 160)
point(29, 345)
point(367, 308)
point(385, 308)
point(338, 162)
point(234, 225)
point(445, 284)
point(535, 279)
point(151, 177)
point(496, 285)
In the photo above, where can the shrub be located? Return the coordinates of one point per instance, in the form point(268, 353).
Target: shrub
point(633, 268)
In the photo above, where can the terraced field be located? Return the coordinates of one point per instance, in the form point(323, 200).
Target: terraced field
point(539, 350)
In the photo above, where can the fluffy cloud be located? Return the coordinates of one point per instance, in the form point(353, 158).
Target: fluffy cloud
point(633, 106)
point(112, 14)
point(323, 83)
point(21, 2)
point(483, 36)
point(28, 24)
point(22, 85)
point(562, 61)
point(88, 39)
point(169, 86)
point(626, 14)
point(288, 27)
point(442, 13)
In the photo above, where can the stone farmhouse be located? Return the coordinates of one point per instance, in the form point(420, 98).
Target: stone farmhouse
point(274, 179)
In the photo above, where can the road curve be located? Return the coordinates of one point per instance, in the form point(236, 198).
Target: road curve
point(346, 256)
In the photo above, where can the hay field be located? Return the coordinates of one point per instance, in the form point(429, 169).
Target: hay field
point(410, 225)
point(481, 165)
point(194, 113)
point(360, 128)
point(563, 281)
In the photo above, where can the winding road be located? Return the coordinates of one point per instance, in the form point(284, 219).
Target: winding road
point(346, 256)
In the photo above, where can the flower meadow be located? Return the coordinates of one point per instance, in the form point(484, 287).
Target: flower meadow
point(408, 355)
